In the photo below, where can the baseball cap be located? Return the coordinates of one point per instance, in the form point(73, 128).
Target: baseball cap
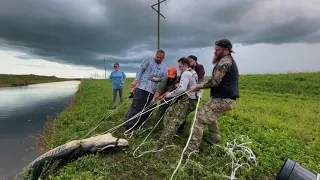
point(172, 72)
point(225, 43)
point(193, 57)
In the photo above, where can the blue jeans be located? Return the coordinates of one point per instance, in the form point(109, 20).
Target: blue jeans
point(115, 91)
point(140, 101)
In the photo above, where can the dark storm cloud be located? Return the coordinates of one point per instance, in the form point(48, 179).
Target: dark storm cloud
point(84, 32)
point(296, 30)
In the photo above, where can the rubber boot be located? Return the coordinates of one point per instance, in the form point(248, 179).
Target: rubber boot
point(215, 137)
point(181, 127)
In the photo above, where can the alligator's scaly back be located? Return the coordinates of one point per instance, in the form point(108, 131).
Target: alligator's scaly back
point(74, 149)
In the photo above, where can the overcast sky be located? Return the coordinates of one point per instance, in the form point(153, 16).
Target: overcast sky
point(71, 38)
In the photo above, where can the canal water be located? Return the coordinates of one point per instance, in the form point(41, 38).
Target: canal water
point(23, 112)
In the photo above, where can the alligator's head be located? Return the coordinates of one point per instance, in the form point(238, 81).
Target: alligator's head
point(103, 142)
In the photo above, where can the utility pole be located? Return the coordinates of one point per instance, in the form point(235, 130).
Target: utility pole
point(159, 14)
point(105, 69)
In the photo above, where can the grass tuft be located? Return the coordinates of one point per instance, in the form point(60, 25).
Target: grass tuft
point(279, 113)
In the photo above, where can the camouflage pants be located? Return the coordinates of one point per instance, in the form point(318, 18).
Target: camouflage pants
point(163, 108)
point(208, 117)
point(175, 116)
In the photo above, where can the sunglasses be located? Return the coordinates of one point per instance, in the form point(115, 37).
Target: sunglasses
point(115, 66)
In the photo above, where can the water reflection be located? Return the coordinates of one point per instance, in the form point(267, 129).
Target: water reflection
point(23, 112)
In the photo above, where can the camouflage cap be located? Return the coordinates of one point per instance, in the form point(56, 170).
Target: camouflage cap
point(225, 43)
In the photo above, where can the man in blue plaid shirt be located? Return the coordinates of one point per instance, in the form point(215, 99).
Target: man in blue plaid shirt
point(148, 75)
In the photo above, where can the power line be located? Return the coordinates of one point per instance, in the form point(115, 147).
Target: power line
point(184, 7)
point(105, 69)
point(180, 9)
point(159, 14)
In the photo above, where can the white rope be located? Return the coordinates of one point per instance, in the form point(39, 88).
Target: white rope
point(188, 158)
point(234, 148)
point(116, 127)
point(131, 133)
point(318, 177)
point(112, 112)
point(166, 102)
point(146, 119)
point(185, 148)
point(126, 132)
point(154, 150)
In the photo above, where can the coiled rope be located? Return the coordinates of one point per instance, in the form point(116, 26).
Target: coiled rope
point(233, 149)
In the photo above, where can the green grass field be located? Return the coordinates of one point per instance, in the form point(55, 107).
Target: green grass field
point(279, 113)
point(9, 80)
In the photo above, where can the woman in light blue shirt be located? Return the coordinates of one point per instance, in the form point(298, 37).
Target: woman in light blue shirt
point(118, 78)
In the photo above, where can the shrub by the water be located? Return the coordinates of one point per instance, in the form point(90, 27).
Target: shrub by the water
point(8, 80)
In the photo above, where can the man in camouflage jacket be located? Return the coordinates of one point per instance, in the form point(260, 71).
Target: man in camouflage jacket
point(224, 94)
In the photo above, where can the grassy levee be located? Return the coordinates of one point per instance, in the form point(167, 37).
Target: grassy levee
point(279, 113)
point(9, 80)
